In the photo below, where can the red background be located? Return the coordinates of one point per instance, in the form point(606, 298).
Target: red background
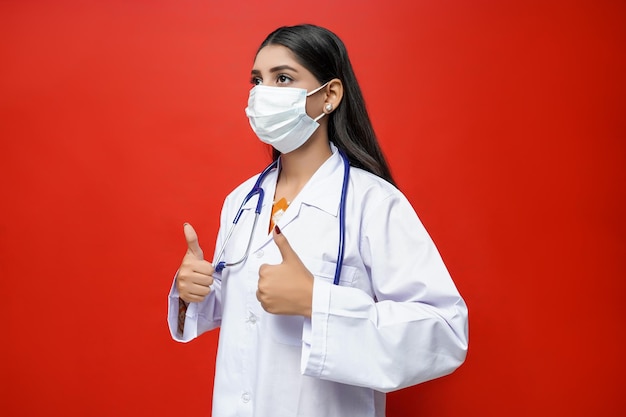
point(503, 123)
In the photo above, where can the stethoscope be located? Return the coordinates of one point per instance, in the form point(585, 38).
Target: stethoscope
point(258, 191)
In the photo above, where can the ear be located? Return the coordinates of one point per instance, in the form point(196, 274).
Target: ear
point(334, 94)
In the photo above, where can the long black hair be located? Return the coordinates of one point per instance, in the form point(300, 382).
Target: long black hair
point(349, 127)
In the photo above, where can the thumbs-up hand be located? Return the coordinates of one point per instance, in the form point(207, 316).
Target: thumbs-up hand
point(286, 288)
point(195, 275)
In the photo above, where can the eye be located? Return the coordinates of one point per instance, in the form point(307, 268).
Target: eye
point(283, 79)
point(256, 81)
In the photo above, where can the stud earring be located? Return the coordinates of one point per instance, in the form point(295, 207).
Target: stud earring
point(328, 107)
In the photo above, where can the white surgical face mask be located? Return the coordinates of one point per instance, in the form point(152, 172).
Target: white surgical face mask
point(278, 116)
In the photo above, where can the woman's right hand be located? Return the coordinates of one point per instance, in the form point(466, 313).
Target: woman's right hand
point(195, 275)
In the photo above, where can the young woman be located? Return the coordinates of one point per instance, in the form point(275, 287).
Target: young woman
point(334, 293)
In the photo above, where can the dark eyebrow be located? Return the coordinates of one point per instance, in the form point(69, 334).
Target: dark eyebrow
point(275, 69)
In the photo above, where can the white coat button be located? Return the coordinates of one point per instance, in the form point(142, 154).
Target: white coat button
point(252, 318)
point(260, 254)
point(245, 397)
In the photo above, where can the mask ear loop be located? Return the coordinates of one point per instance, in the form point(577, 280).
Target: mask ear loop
point(319, 117)
point(327, 104)
point(327, 109)
point(317, 89)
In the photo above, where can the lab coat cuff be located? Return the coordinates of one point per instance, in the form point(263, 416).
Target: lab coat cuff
point(191, 317)
point(314, 334)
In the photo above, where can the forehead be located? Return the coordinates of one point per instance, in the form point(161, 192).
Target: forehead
point(274, 55)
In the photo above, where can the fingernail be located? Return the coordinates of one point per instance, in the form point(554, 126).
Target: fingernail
point(185, 224)
point(277, 229)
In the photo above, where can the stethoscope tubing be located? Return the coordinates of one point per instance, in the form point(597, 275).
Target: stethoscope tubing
point(342, 216)
point(258, 191)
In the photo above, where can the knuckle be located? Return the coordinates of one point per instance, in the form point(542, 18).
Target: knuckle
point(262, 286)
point(184, 269)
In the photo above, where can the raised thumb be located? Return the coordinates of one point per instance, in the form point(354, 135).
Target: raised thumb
point(286, 251)
point(191, 237)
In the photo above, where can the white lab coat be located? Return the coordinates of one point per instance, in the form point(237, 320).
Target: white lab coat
point(395, 320)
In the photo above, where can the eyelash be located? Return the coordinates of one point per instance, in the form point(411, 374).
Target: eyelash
point(280, 79)
point(285, 77)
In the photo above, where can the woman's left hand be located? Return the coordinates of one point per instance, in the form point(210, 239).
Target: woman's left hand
point(286, 288)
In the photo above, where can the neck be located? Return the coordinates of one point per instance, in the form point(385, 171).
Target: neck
point(298, 167)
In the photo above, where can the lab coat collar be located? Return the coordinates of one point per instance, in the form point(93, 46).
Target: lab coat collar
point(322, 191)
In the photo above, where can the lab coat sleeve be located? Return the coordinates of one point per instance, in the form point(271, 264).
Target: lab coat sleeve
point(411, 330)
point(199, 318)
point(203, 316)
